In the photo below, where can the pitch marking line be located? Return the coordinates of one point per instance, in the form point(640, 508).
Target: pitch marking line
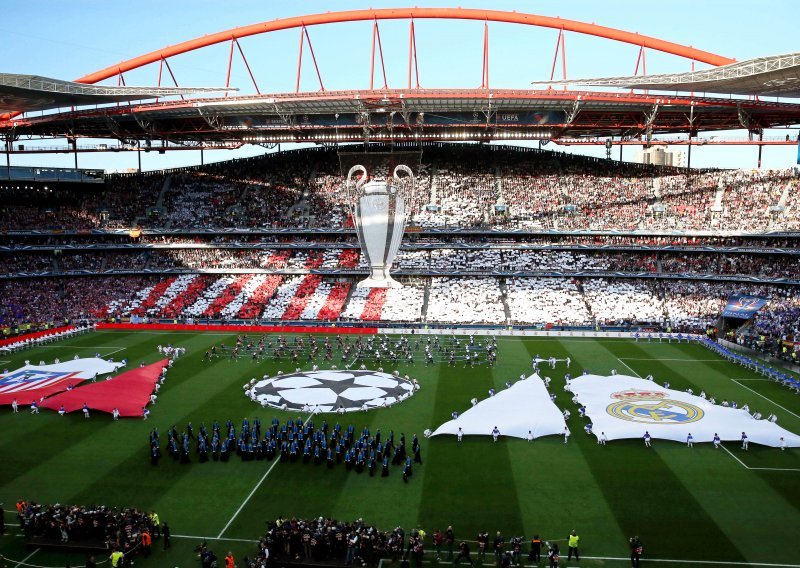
point(765, 398)
point(247, 499)
point(662, 560)
point(239, 510)
point(684, 360)
point(711, 562)
point(757, 468)
point(115, 349)
point(744, 465)
point(21, 562)
point(629, 368)
point(192, 537)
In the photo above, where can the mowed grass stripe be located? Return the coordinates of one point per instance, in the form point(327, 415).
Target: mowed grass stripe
point(469, 483)
point(549, 483)
point(400, 503)
point(208, 391)
point(715, 479)
point(48, 436)
point(647, 497)
point(104, 444)
point(576, 502)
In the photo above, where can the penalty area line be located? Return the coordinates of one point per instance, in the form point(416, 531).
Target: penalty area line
point(247, 499)
point(629, 368)
point(730, 453)
point(765, 398)
point(744, 465)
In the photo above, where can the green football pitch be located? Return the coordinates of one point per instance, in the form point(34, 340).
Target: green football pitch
point(696, 506)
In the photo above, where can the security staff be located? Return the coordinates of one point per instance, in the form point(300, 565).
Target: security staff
point(536, 549)
point(572, 540)
point(116, 559)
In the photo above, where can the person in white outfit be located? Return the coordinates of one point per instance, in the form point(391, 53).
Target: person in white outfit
point(646, 438)
point(566, 434)
point(495, 433)
point(602, 439)
point(745, 441)
point(530, 436)
point(690, 441)
point(716, 440)
point(782, 443)
point(460, 435)
point(14, 406)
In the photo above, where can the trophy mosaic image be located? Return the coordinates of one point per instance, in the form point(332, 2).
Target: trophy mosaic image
point(380, 213)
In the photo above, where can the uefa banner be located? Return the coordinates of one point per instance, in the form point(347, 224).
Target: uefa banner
point(743, 306)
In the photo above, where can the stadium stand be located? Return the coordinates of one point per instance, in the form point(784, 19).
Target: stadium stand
point(499, 236)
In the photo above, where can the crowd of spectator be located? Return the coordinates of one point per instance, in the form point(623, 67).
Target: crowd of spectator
point(465, 300)
point(457, 259)
point(547, 301)
point(542, 301)
point(457, 186)
point(119, 529)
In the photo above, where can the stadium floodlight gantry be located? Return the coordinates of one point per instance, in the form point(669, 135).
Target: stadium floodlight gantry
point(411, 113)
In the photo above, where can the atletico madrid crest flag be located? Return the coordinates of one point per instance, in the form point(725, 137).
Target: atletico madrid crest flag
point(32, 382)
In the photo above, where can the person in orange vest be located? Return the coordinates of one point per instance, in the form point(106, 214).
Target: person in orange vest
point(229, 561)
point(535, 554)
point(147, 542)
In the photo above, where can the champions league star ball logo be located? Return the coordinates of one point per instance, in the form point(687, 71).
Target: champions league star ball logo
point(652, 407)
point(379, 212)
point(331, 391)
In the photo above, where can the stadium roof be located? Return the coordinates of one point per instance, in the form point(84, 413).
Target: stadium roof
point(774, 76)
point(25, 93)
point(404, 114)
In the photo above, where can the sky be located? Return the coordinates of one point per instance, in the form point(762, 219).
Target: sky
point(66, 40)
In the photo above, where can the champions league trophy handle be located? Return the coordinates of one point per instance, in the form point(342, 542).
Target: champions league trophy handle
point(352, 188)
point(379, 214)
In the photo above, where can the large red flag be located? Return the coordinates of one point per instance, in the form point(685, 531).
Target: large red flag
point(128, 392)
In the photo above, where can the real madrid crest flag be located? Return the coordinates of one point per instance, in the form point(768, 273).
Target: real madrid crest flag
point(627, 407)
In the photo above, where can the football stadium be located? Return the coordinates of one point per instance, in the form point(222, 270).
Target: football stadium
point(399, 286)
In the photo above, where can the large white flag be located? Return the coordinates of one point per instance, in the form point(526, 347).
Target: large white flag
point(524, 406)
point(627, 407)
point(46, 379)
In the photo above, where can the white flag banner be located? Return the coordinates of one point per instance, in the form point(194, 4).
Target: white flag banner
point(524, 406)
point(627, 407)
point(32, 377)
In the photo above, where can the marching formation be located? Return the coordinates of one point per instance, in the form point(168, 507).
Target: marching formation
point(292, 441)
point(376, 349)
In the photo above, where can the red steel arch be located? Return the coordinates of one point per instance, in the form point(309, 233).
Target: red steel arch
point(412, 14)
